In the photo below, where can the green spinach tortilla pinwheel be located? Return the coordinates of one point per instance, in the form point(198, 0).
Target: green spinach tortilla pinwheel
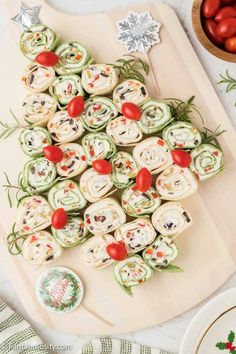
point(95, 186)
point(207, 161)
point(155, 116)
point(73, 57)
point(98, 111)
point(37, 108)
point(63, 128)
point(37, 39)
point(124, 132)
point(38, 175)
point(131, 272)
point(37, 78)
point(41, 248)
point(136, 235)
point(171, 219)
point(104, 216)
point(67, 195)
point(94, 252)
point(73, 162)
point(182, 135)
point(73, 234)
point(129, 91)
point(140, 204)
point(33, 214)
point(64, 88)
point(176, 183)
point(99, 79)
point(32, 140)
point(98, 146)
point(160, 254)
point(124, 169)
point(152, 153)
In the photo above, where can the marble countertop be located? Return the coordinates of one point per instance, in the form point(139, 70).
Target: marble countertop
point(167, 336)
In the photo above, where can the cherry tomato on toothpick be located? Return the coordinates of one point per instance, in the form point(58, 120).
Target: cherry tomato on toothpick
point(102, 166)
point(143, 180)
point(230, 44)
point(131, 111)
point(117, 251)
point(75, 107)
point(59, 219)
point(210, 8)
point(47, 58)
point(181, 158)
point(53, 153)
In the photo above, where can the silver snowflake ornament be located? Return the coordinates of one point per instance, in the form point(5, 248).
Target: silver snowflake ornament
point(138, 31)
point(27, 16)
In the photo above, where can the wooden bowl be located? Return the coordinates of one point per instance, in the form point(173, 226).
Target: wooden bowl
point(204, 40)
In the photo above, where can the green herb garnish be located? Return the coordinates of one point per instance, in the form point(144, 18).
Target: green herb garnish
point(131, 68)
point(8, 187)
point(7, 129)
point(210, 137)
point(13, 240)
point(184, 110)
point(229, 81)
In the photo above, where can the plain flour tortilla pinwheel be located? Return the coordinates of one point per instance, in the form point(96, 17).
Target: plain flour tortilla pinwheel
point(37, 78)
point(124, 132)
point(32, 140)
point(73, 162)
point(124, 169)
point(72, 234)
point(182, 135)
point(99, 79)
point(130, 91)
point(104, 216)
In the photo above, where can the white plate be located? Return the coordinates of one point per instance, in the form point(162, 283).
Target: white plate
point(212, 324)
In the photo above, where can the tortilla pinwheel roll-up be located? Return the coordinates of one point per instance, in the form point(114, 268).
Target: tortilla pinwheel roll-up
point(64, 88)
point(95, 186)
point(67, 195)
point(131, 272)
point(124, 169)
point(63, 128)
point(98, 146)
point(33, 214)
point(32, 140)
point(155, 116)
point(176, 183)
point(130, 91)
point(99, 79)
point(38, 175)
point(104, 216)
point(37, 108)
point(72, 58)
point(171, 219)
point(73, 162)
point(73, 234)
point(140, 204)
point(41, 248)
point(37, 78)
point(124, 132)
point(98, 111)
point(182, 135)
point(37, 39)
point(207, 161)
point(94, 251)
point(152, 153)
point(136, 235)
point(160, 254)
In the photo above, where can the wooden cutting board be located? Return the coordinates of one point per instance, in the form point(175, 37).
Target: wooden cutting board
point(207, 250)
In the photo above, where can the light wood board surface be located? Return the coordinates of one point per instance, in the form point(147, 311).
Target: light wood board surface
point(207, 250)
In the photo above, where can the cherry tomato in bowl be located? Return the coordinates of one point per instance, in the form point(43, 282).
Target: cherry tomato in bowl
point(210, 27)
point(230, 44)
point(210, 8)
point(224, 13)
point(227, 28)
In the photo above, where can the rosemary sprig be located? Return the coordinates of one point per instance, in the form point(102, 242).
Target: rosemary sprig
point(229, 81)
point(131, 68)
point(8, 187)
point(14, 240)
point(210, 137)
point(184, 110)
point(7, 129)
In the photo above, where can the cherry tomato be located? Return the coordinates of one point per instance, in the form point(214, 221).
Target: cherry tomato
point(227, 2)
point(227, 28)
point(47, 58)
point(230, 44)
point(102, 166)
point(210, 27)
point(210, 8)
point(181, 158)
point(143, 180)
point(225, 12)
point(59, 219)
point(75, 107)
point(117, 251)
point(131, 111)
point(53, 153)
